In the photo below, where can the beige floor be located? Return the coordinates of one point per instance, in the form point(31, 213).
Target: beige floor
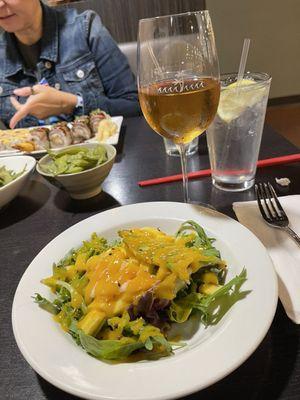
point(285, 119)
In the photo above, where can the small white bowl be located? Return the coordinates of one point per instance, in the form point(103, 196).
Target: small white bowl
point(85, 184)
point(15, 164)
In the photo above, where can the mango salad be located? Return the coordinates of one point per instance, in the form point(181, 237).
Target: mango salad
point(119, 300)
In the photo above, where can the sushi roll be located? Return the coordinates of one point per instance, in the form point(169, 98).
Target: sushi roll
point(60, 135)
point(39, 136)
point(96, 117)
point(81, 130)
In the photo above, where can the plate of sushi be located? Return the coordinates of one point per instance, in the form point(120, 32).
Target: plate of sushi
point(96, 127)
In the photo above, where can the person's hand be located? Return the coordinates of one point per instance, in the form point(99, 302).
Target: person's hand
point(43, 101)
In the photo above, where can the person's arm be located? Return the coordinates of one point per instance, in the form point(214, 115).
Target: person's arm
point(43, 101)
point(118, 81)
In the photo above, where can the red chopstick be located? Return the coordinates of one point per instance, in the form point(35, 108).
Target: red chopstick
point(268, 162)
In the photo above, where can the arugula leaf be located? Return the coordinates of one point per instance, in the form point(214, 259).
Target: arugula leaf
point(163, 342)
point(180, 310)
point(74, 332)
point(109, 349)
point(212, 307)
point(96, 245)
point(148, 344)
point(216, 305)
point(201, 240)
point(153, 347)
point(76, 298)
point(63, 294)
point(52, 308)
point(221, 274)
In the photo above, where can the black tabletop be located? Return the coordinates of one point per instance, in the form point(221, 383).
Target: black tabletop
point(42, 211)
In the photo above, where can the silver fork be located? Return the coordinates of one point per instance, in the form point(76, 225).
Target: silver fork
point(271, 209)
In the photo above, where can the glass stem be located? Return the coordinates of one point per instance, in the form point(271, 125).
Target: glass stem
point(182, 151)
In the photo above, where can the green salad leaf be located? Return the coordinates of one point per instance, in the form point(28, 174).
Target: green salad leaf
point(96, 245)
point(109, 349)
point(201, 240)
point(124, 347)
point(132, 336)
point(52, 308)
point(7, 176)
point(212, 307)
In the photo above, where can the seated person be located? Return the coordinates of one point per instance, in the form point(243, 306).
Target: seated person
point(73, 55)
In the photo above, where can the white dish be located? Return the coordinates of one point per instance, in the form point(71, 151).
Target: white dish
point(15, 164)
point(211, 353)
point(114, 139)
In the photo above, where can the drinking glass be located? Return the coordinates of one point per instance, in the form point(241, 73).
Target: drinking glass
point(178, 77)
point(234, 136)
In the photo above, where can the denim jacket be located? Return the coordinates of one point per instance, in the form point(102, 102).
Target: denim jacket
point(79, 56)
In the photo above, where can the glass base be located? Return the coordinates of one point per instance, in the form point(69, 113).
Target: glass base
point(175, 153)
point(172, 150)
point(233, 187)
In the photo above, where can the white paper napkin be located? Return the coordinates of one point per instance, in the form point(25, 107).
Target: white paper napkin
point(283, 250)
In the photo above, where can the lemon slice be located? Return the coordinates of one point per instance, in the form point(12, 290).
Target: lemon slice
point(235, 99)
point(244, 82)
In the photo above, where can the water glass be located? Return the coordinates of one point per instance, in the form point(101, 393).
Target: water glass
point(234, 137)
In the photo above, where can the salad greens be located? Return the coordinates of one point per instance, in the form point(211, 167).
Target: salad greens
point(135, 335)
point(212, 307)
point(7, 176)
point(200, 240)
point(73, 160)
point(186, 274)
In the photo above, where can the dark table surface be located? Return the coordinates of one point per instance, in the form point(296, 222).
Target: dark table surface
point(42, 211)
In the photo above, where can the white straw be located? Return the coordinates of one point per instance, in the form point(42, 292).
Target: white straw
point(154, 59)
point(243, 61)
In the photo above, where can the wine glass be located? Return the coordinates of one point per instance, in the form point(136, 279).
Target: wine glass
point(178, 77)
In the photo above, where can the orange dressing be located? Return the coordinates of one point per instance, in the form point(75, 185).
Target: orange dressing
point(121, 275)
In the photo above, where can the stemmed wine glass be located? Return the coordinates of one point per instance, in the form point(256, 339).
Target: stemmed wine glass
point(178, 77)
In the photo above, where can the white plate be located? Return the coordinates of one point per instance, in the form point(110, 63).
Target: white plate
point(111, 140)
point(211, 353)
